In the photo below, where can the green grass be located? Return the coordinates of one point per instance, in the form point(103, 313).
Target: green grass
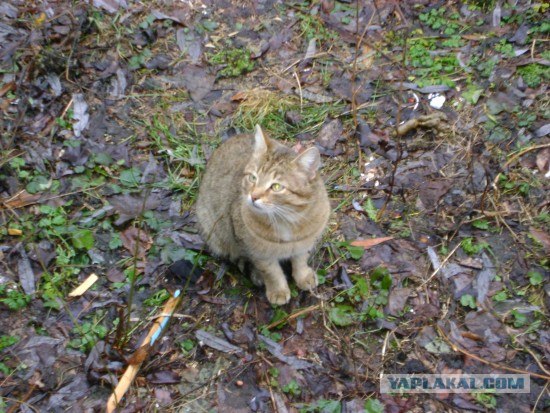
point(181, 153)
point(269, 110)
point(534, 74)
point(235, 62)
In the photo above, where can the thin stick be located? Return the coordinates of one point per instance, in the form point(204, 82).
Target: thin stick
point(355, 89)
point(490, 363)
point(293, 316)
point(524, 151)
point(439, 268)
point(536, 359)
point(538, 398)
point(299, 90)
point(132, 370)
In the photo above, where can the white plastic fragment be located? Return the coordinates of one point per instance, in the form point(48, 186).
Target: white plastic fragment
point(436, 100)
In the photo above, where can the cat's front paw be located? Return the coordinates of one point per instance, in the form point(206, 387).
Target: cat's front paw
point(306, 280)
point(278, 296)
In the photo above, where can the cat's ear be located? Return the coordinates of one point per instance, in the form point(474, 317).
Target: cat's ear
point(260, 141)
point(309, 161)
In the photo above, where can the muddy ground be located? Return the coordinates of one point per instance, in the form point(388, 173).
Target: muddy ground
point(432, 119)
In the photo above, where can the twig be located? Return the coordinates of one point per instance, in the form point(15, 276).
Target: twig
point(354, 78)
point(490, 363)
point(532, 353)
point(139, 356)
point(439, 268)
point(273, 402)
point(524, 151)
point(538, 398)
point(297, 61)
point(503, 221)
point(399, 147)
point(21, 403)
point(293, 316)
point(300, 90)
point(23, 400)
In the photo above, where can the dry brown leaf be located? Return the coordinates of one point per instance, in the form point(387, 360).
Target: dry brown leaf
point(541, 237)
point(239, 96)
point(7, 88)
point(19, 200)
point(369, 243)
point(543, 160)
point(129, 239)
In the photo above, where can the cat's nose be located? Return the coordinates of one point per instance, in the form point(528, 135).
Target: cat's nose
point(254, 196)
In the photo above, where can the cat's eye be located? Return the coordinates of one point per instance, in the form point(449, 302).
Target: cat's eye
point(252, 178)
point(276, 187)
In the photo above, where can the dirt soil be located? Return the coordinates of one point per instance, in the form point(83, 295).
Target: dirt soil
point(432, 119)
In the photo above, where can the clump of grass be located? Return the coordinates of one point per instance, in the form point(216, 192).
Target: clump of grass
point(258, 104)
point(269, 109)
point(187, 153)
point(236, 61)
point(534, 74)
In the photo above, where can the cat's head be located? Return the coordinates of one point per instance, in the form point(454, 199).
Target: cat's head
point(277, 181)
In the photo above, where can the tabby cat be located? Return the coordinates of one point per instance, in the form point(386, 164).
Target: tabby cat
point(259, 203)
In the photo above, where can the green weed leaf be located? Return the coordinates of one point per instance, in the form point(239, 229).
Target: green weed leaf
point(38, 184)
point(373, 406)
point(535, 278)
point(130, 177)
point(468, 300)
point(481, 224)
point(83, 239)
point(342, 315)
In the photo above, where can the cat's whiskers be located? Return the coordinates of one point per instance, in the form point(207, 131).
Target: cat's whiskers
point(289, 215)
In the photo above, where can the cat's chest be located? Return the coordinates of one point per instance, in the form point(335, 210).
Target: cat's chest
point(285, 234)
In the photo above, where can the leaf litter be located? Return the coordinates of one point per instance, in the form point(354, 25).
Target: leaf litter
point(439, 215)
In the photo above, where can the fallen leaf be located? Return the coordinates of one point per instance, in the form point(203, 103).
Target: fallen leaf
point(21, 199)
point(129, 206)
point(397, 300)
point(197, 81)
point(239, 96)
point(330, 134)
point(543, 130)
point(111, 6)
point(7, 87)
point(132, 236)
point(115, 275)
point(484, 278)
point(277, 350)
point(369, 243)
point(542, 237)
point(543, 161)
point(217, 343)
point(311, 49)
point(25, 272)
point(163, 396)
point(164, 377)
point(80, 113)
point(431, 192)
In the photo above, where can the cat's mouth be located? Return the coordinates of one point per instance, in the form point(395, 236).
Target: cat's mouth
point(256, 205)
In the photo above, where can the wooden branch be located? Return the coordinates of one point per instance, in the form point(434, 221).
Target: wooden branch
point(139, 356)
